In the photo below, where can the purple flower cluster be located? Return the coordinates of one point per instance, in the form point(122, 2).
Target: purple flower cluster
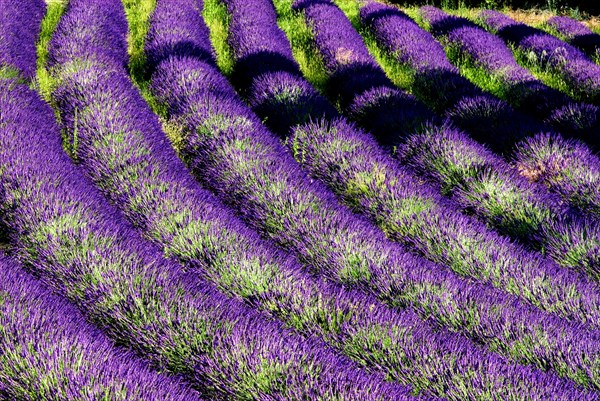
point(65, 231)
point(493, 192)
point(110, 149)
point(73, 43)
point(176, 32)
point(484, 184)
point(568, 26)
point(524, 91)
point(528, 93)
point(190, 225)
point(20, 23)
point(577, 34)
point(356, 81)
point(371, 183)
point(581, 74)
point(48, 350)
point(228, 149)
point(473, 41)
point(441, 88)
point(566, 167)
point(400, 35)
point(436, 81)
point(257, 54)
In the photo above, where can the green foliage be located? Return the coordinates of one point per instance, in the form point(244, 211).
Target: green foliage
point(217, 19)
point(300, 36)
point(45, 82)
point(138, 14)
point(8, 72)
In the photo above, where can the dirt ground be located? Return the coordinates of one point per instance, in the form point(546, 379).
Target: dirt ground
point(537, 17)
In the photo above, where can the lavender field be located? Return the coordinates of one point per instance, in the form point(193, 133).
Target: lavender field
point(305, 200)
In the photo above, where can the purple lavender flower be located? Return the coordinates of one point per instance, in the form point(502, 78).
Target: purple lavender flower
point(270, 194)
point(393, 268)
point(490, 120)
point(20, 22)
point(566, 167)
point(111, 155)
point(436, 81)
point(65, 232)
point(568, 26)
point(103, 40)
point(404, 38)
point(352, 70)
point(577, 34)
point(48, 349)
point(258, 51)
point(285, 100)
point(489, 51)
point(175, 32)
point(522, 89)
point(581, 74)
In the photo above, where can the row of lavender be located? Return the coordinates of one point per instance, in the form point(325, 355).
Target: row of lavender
point(96, 151)
point(49, 352)
point(567, 167)
point(47, 349)
point(73, 50)
point(479, 181)
point(282, 64)
point(324, 15)
point(488, 51)
point(219, 145)
point(581, 74)
point(247, 268)
point(547, 158)
point(357, 329)
point(577, 34)
point(65, 232)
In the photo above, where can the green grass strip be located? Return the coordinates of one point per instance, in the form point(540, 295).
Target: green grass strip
point(217, 19)
point(304, 50)
point(45, 81)
point(138, 14)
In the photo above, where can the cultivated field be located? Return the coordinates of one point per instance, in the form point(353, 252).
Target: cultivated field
point(297, 200)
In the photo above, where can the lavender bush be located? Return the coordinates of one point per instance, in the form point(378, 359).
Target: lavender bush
point(523, 90)
point(577, 34)
point(566, 167)
point(65, 232)
point(190, 224)
point(187, 102)
point(581, 74)
point(19, 28)
point(48, 351)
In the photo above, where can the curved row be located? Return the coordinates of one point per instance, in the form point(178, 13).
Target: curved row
point(190, 225)
point(520, 87)
point(581, 75)
point(225, 110)
point(576, 34)
point(479, 181)
point(566, 167)
point(48, 351)
point(350, 163)
point(482, 115)
point(70, 236)
point(67, 234)
point(20, 26)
